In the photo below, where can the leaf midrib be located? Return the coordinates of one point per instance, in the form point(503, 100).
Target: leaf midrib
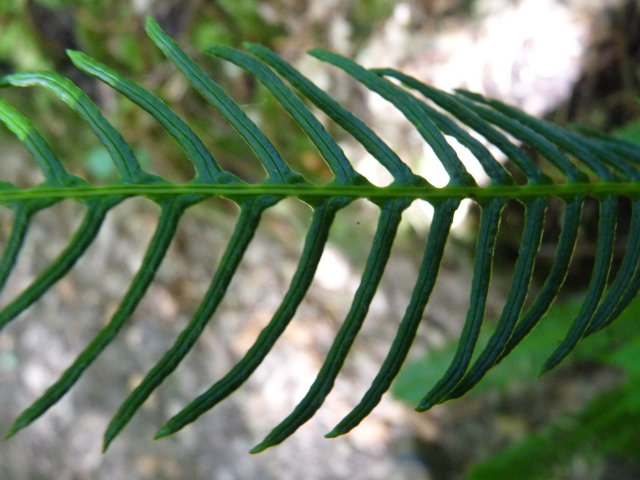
point(518, 192)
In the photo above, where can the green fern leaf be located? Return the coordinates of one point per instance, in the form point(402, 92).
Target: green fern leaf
point(587, 166)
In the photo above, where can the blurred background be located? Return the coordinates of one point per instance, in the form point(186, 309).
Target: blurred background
point(571, 61)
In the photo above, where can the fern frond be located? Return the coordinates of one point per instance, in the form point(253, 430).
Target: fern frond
point(591, 165)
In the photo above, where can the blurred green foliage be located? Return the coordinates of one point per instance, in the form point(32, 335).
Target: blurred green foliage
point(608, 424)
point(630, 132)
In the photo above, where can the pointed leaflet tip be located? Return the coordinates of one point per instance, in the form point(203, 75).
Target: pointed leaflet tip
point(543, 371)
point(109, 437)
point(18, 424)
point(425, 405)
point(316, 51)
point(334, 433)
point(261, 447)
point(152, 28)
point(10, 433)
point(106, 442)
point(77, 56)
point(551, 363)
point(162, 432)
point(151, 23)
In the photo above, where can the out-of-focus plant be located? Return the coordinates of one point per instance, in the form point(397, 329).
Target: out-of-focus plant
point(607, 426)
